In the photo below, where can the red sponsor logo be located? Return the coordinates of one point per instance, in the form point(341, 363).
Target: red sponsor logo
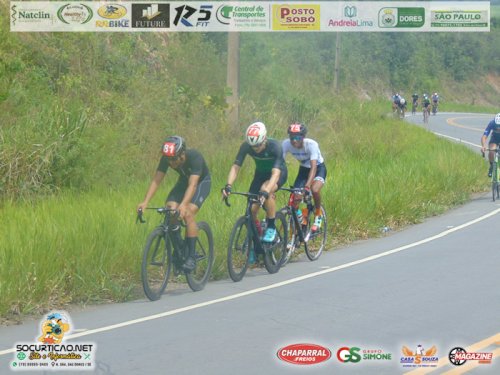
point(304, 354)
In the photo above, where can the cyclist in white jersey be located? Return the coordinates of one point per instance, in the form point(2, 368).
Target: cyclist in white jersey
point(312, 171)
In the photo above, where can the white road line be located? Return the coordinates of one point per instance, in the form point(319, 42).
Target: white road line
point(457, 139)
point(273, 286)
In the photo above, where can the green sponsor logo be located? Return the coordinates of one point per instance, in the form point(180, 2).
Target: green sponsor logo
point(401, 17)
point(459, 18)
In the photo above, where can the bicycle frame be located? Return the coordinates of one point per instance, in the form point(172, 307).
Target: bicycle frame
point(252, 199)
point(171, 229)
point(291, 208)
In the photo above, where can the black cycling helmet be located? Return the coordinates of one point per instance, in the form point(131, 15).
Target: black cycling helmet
point(173, 146)
point(297, 129)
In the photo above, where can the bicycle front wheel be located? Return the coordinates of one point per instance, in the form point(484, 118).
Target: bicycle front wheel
point(315, 240)
point(292, 239)
point(240, 243)
point(494, 182)
point(275, 252)
point(204, 256)
point(156, 264)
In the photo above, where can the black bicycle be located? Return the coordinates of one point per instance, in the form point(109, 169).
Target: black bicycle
point(166, 247)
point(245, 237)
point(300, 228)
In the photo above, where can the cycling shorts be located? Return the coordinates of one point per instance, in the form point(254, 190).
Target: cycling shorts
point(260, 177)
point(303, 175)
point(200, 195)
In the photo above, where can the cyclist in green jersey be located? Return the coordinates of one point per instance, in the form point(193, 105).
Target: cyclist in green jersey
point(270, 172)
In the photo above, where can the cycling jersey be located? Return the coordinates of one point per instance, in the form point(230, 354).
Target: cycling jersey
point(426, 103)
point(194, 165)
point(269, 158)
point(309, 151)
point(492, 127)
point(435, 98)
point(415, 98)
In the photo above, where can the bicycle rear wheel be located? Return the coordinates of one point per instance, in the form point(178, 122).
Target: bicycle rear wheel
point(156, 264)
point(275, 252)
point(240, 243)
point(315, 240)
point(204, 251)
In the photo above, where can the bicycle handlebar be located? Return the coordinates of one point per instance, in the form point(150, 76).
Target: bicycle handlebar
point(294, 190)
point(252, 197)
point(161, 210)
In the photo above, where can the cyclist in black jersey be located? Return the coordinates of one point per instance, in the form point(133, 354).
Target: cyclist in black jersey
point(190, 191)
point(270, 172)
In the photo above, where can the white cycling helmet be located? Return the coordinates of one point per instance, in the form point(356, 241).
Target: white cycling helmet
point(497, 119)
point(256, 134)
point(403, 101)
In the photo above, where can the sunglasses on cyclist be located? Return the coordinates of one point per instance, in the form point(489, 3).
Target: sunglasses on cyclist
point(173, 158)
point(296, 138)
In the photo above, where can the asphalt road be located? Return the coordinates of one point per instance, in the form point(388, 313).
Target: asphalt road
point(434, 284)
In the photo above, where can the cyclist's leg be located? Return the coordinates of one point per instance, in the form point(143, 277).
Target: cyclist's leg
point(316, 187)
point(494, 141)
point(270, 205)
point(199, 197)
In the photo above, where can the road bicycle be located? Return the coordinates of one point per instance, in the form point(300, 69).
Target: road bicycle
point(246, 237)
point(495, 175)
point(434, 108)
point(165, 247)
point(414, 106)
point(425, 112)
point(300, 227)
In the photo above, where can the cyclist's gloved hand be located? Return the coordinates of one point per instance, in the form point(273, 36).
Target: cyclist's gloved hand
point(226, 190)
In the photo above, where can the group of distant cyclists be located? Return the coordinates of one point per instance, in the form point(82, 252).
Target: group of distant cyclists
point(399, 103)
point(194, 183)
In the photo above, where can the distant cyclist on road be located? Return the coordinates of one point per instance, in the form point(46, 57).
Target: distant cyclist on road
point(312, 170)
point(493, 128)
point(414, 105)
point(270, 172)
point(190, 191)
point(426, 103)
point(435, 102)
point(396, 98)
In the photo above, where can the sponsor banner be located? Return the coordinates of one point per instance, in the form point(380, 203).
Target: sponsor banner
point(248, 16)
point(405, 16)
